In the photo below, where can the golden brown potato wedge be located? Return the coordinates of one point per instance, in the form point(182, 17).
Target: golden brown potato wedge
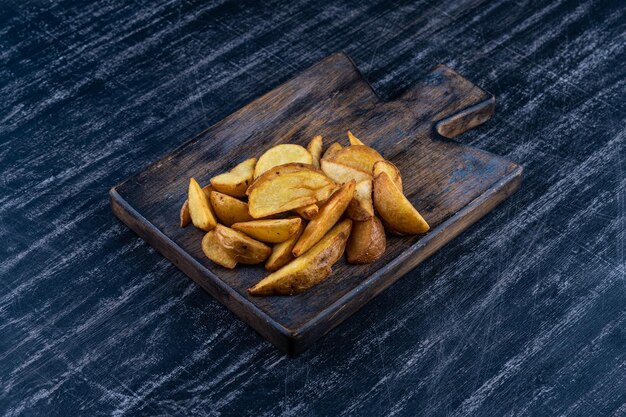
point(200, 209)
point(359, 157)
point(332, 150)
point(240, 247)
point(308, 212)
point(185, 217)
point(361, 207)
point(287, 187)
point(215, 252)
point(394, 208)
point(270, 231)
point(236, 181)
point(367, 241)
point(309, 269)
point(281, 155)
point(328, 215)
point(341, 173)
point(315, 149)
point(353, 139)
point(391, 170)
point(281, 252)
point(229, 210)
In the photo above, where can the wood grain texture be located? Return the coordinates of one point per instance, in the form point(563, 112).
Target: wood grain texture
point(521, 315)
point(451, 184)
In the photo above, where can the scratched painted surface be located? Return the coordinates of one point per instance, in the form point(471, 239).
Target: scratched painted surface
point(524, 314)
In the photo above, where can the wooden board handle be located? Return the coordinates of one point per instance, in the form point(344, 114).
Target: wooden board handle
point(453, 103)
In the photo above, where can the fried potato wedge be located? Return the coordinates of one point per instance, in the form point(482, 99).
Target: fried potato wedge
point(359, 157)
point(341, 173)
point(240, 247)
point(332, 150)
point(229, 210)
point(236, 181)
point(308, 270)
point(315, 149)
point(367, 241)
point(200, 209)
point(391, 170)
point(270, 231)
point(353, 139)
point(287, 187)
point(307, 212)
point(395, 209)
point(361, 207)
point(328, 215)
point(281, 252)
point(280, 155)
point(215, 252)
point(185, 217)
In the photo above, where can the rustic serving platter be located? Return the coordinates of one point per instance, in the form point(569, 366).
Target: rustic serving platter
point(451, 184)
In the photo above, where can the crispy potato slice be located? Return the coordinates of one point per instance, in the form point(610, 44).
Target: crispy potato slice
point(394, 208)
point(308, 212)
point(361, 207)
point(359, 157)
point(229, 210)
point(353, 139)
point(185, 217)
point(328, 215)
point(272, 230)
point(287, 187)
point(236, 181)
point(391, 170)
point(367, 241)
point(281, 252)
point(332, 150)
point(315, 149)
point(342, 173)
point(215, 252)
point(281, 155)
point(308, 270)
point(200, 209)
point(240, 247)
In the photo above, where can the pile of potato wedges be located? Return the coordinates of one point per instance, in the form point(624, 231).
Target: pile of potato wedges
point(298, 209)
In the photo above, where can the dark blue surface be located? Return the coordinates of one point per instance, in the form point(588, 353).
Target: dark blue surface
point(524, 314)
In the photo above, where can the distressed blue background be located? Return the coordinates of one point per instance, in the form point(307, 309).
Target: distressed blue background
point(524, 314)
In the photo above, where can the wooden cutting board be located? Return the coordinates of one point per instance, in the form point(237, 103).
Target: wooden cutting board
point(451, 184)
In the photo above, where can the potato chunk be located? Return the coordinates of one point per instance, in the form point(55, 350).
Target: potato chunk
point(281, 155)
point(271, 231)
point(200, 210)
point(309, 269)
point(367, 241)
point(315, 149)
point(328, 215)
point(236, 181)
point(395, 209)
point(287, 187)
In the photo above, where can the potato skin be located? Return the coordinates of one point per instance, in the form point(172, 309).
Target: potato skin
point(394, 209)
point(215, 252)
point(367, 241)
point(240, 247)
